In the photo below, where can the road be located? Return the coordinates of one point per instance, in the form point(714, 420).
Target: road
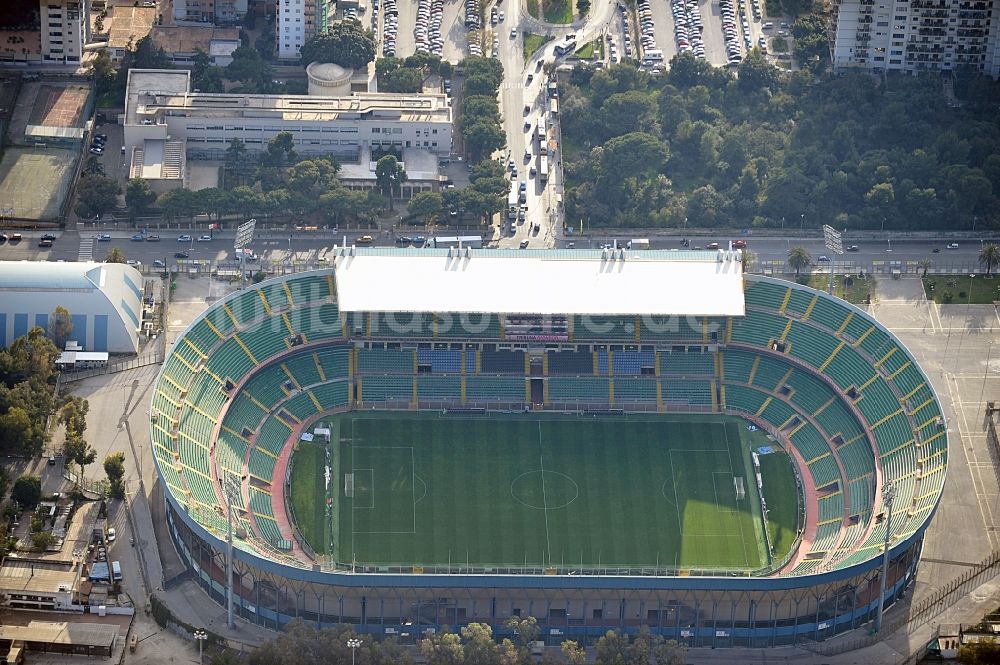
point(278, 247)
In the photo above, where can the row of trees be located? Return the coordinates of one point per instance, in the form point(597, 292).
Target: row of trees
point(479, 123)
point(475, 644)
point(707, 148)
point(408, 74)
point(27, 375)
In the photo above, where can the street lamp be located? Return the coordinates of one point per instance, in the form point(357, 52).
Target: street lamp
point(354, 643)
point(802, 221)
point(201, 636)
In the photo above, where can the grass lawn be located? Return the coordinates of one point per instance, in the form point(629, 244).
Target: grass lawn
point(557, 11)
point(846, 287)
point(781, 496)
point(957, 289)
point(591, 50)
point(309, 495)
point(548, 490)
point(533, 42)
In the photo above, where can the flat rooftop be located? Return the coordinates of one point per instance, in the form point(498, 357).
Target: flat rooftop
point(584, 282)
point(36, 576)
point(153, 92)
point(64, 633)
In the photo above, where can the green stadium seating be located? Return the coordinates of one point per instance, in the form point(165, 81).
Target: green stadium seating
point(386, 361)
point(690, 391)
point(812, 345)
point(831, 507)
point(769, 295)
point(674, 328)
point(585, 389)
point(829, 314)
point(261, 464)
point(273, 435)
point(230, 361)
point(277, 297)
point(246, 307)
point(382, 388)
point(826, 537)
point(824, 471)
point(303, 369)
point(810, 443)
point(737, 364)
point(799, 302)
point(332, 395)
point(495, 388)
point(686, 363)
point(758, 327)
point(334, 361)
point(439, 387)
point(742, 397)
point(635, 390)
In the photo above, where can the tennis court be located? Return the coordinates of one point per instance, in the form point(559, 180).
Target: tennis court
point(560, 491)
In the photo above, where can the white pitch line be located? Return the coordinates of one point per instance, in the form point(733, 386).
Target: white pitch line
point(545, 509)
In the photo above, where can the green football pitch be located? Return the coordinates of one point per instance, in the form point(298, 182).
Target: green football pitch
point(637, 491)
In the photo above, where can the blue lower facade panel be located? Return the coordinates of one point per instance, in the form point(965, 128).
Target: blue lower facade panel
point(713, 612)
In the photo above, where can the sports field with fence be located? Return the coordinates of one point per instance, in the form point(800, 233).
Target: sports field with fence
point(671, 492)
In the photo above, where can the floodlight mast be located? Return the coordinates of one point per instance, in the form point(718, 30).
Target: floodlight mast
point(888, 494)
point(833, 239)
point(232, 490)
point(244, 236)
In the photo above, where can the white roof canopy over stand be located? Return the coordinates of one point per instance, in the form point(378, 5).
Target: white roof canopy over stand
point(537, 282)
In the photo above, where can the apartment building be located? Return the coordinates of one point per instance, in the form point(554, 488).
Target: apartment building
point(297, 21)
point(64, 29)
point(917, 35)
point(209, 11)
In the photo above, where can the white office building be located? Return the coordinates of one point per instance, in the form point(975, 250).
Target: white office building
point(917, 35)
point(159, 107)
point(64, 30)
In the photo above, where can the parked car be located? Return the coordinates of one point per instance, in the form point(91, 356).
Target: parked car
point(159, 263)
point(48, 236)
point(952, 245)
point(204, 238)
point(104, 237)
point(852, 248)
point(712, 245)
point(96, 150)
point(184, 238)
point(524, 244)
point(134, 263)
point(181, 255)
point(823, 258)
point(44, 243)
point(136, 238)
point(112, 534)
point(152, 238)
point(739, 244)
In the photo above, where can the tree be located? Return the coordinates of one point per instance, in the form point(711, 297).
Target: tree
point(42, 540)
point(573, 653)
point(346, 43)
point(78, 451)
point(237, 161)
point(27, 491)
point(73, 414)
point(389, 175)
point(249, 67)
point(60, 326)
point(138, 197)
point(799, 259)
point(482, 138)
point(989, 256)
point(480, 647)
point(114, 467)
point(96, 194)
point(757, 74)
point(924, 265)
point(404, 79)
point(426, 205)
point(115, 255)
point(442, 649)
point(982, 652)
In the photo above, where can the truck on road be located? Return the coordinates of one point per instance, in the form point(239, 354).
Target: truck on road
point(543, 168)
point(638, 243)
point(512, 202)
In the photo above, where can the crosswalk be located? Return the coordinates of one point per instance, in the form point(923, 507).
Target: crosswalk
point(86, 250)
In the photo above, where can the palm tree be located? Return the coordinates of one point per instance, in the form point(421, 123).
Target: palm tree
point(989, 256)
point(116, 255)
point(924, 265)
point(799, 258)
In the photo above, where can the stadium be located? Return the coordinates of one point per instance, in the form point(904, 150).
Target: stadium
point(600, 439)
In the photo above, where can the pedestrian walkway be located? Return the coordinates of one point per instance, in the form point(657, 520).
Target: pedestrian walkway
point(86, 250)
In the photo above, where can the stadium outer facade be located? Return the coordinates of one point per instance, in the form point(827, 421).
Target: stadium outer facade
point(829, 586)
